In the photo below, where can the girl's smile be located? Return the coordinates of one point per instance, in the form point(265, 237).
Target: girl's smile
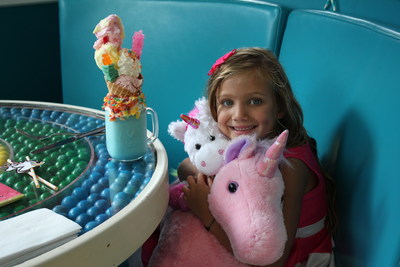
point(246, 106)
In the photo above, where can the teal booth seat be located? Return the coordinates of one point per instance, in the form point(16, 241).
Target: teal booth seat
point(183, 39)
point(345, 73)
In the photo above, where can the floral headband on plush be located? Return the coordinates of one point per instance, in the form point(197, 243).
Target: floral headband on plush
point(221, 61)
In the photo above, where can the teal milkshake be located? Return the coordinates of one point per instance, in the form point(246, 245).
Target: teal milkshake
point(126, 139)
point(124, 105)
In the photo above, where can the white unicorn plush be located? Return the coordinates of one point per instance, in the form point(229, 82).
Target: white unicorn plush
point(203, 142)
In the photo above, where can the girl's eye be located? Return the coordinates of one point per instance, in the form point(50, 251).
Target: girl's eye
point(256, 101)
point(227, 102)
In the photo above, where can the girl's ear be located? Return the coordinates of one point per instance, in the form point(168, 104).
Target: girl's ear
point(280, 114)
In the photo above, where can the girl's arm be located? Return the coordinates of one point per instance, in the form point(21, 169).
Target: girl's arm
point(196, 197)
point(295, 176)
point(185, 169)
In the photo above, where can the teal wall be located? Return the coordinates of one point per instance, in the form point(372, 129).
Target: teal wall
point(30, 53)
point(30, 43)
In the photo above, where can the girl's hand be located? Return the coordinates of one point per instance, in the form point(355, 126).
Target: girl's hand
point(196, 197)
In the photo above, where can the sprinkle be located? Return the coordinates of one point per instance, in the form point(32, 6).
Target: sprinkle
point(123, 107)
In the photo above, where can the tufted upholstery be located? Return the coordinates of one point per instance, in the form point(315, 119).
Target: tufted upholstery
point(345, 72)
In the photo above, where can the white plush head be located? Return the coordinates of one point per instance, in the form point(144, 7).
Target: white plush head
point(202, 139)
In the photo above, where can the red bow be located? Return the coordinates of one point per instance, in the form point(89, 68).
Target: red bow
point(220, 61)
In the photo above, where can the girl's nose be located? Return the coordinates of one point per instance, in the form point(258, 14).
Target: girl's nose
point(240, 112)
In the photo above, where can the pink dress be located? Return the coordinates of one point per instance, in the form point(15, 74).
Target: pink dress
point(313, 244)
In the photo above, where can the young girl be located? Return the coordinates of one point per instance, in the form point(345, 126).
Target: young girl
point(249, 93)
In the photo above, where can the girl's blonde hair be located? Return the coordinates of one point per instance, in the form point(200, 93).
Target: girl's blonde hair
point(270, 72)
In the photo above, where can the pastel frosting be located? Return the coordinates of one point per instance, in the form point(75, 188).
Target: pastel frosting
point(121, 68)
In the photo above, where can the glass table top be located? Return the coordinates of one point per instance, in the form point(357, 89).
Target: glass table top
point(91, 187)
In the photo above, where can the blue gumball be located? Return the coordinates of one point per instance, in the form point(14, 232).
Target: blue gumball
point(102, 204)
point(149, 158)
point(101, 218)
point(104, 181)
point(138, 192)
point(93, 211)
point(123, 178)
point(69, 202)
point(146, 180)
point(110, 212)
point(84, 204)
point(100, 147)
point(105, 193)
point(83, 219)
point(120, 200)
point(60, 209)
point(111, 174)
point(136, 182)
point(80, 193)
point(87, 184)
point(92, 198)
point(95, 176)
point(74, 213)
point(130, 190)
point(149, 173)
point(115, 188)
point(90, 225)
point(137, 176)
point(112, 165)
point(96, 188)
point(98, 169)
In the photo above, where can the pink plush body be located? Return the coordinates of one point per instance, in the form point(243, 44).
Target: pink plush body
point(185, 242)
point(245, 199)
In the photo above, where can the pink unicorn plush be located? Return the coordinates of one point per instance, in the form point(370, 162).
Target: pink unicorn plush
point(245, 199)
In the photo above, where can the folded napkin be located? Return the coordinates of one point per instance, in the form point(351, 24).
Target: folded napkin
point(33, 233)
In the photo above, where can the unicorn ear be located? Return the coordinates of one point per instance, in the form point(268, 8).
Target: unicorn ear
point(268, 164)
point(177, 129)
point(241, 147)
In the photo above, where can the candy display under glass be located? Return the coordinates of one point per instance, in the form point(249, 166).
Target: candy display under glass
point(91, 187)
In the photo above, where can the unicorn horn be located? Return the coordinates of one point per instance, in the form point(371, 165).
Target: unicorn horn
point(268, 165)
point(191, 121)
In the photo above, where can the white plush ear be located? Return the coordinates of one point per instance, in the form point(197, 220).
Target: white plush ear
point(177, 129)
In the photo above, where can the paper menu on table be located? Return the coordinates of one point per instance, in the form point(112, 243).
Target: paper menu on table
point(33, 233)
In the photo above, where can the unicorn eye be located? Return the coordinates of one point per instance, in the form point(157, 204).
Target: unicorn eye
point(198, 146)
point(212, 137)
point(232, 187)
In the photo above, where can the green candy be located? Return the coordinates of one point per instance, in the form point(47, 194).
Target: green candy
point(110, 72)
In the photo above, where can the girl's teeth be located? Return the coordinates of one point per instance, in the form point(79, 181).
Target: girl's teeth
point(242, 129)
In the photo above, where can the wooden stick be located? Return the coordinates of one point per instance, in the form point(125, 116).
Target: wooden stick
point(34, 176)
point(47, 183)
